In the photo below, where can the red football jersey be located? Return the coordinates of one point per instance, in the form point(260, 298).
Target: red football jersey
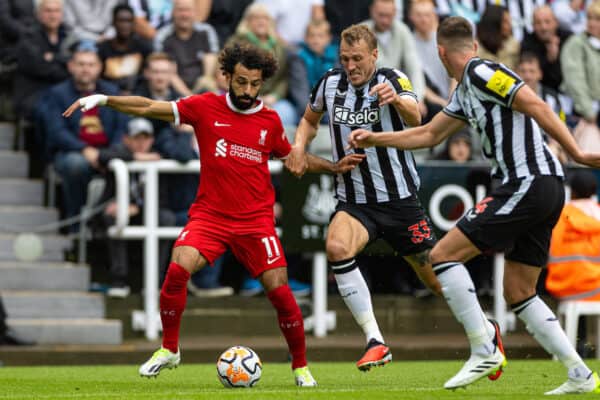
point(235, 146)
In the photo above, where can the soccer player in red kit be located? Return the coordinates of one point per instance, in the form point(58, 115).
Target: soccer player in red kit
point(236, 134)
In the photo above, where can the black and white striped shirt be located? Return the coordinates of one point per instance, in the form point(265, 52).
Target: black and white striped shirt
point(521, 14)
point(387, 174)
point(511, 140)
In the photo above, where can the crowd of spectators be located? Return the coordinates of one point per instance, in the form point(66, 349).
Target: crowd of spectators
point(55, 51)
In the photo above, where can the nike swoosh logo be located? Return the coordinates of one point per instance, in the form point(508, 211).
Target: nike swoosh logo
point(217, 123)
point(271, 261)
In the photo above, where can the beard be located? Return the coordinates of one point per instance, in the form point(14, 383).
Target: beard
point(242, 102)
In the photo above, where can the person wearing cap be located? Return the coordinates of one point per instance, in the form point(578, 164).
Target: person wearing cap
point(136, 145)
point(72, 144)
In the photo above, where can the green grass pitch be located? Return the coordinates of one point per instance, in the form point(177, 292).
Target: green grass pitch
point(398, 380)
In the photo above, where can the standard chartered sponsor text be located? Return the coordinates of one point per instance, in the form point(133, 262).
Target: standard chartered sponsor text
point(245, 152)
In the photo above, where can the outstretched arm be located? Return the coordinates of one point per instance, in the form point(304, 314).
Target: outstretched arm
point(134, 105)
point(440, 127)
point(527, 102)
point(318, 164)
point(305, 133)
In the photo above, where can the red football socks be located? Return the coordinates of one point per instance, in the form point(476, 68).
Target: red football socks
point(290, 323)
point(173, 296)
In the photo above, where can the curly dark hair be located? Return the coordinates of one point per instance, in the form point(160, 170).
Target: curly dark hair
point(250, 57)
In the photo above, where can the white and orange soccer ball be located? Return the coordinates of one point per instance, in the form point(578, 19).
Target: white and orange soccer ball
point(239, 366)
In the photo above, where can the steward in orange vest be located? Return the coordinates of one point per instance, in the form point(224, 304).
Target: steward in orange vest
point(574, 265)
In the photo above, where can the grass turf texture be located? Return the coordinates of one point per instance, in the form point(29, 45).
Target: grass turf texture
point(398, 380)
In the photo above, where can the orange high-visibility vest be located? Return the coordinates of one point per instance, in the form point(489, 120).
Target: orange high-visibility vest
point(574, 264)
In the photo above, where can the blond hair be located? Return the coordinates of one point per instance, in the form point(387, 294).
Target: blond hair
point(594, 8)
point(355, 33)
point(252, 10)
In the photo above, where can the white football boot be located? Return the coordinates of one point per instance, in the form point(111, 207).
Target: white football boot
point(162, 358)
point(571, 386)
point(304, 377)
point(477, 367)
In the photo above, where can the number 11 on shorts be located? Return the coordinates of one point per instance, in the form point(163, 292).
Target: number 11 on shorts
point(271, 244)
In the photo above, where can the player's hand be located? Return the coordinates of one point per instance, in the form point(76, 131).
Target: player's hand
point(384, 92)
point(361, 139)
point(589, 159)
point(296, 161)
point(86, 104)
point(348, 163)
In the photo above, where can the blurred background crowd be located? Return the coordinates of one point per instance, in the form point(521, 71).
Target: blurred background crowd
point(55, 51)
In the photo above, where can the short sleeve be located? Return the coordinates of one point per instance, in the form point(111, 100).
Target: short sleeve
point(454, 108)
point(399, 82)
point(317, 95)
point(281, 145)
point(496, 82)
point(187, 110)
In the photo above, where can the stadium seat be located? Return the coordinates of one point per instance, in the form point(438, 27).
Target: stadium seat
point(571, 310)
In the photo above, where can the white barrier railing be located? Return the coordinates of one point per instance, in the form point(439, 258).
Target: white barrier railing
point(150, 232)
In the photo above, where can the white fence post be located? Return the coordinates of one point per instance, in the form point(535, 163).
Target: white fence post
point(151, 252)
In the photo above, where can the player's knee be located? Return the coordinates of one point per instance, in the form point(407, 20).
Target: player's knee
point(436, 256)
point(338, 250)
point(516, 293)
point(188, 258)
point(274, 278)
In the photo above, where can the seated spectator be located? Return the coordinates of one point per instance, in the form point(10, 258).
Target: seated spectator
point(580, 60)
point(42, 56)
point(317, 52)
point(135, 145)
point(494, 34)
point(570, 14)
point(437, 82)
point(546, 42)
point(151, 16)
point(258, 28)
point(395, 43)
point(293, 16)
point(123, 56)
point(574, 267)
point(529, 69)
point(158, 75)
point(73, 143)
point(192, 45)
point(458, 148)
point(90, 19)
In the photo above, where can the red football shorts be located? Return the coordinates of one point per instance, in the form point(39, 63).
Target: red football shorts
point(255, 244)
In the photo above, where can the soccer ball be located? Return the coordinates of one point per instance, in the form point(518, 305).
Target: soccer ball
point(239, 366)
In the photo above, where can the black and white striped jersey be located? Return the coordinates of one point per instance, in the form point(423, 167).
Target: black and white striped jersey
point(454, 7)
point(521, 11)
point(511, 140)
point(387, 174)
point(521, 15)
